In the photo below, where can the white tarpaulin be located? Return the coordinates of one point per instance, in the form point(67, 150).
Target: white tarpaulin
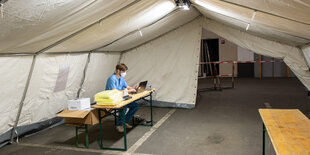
point(306, 51)
point(260, 23)
point(169, 63)
point(41, 101)
point(13, 80)
point(113, 28)
point(101, 66)
point(170, 22)
point(292, 56)
point(245, 54)
point(29, 26)
point(298, 10)
point(141, 29)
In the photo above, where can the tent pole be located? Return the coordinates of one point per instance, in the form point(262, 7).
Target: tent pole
point(16, 54)
point(120, 57)
point(23, 98)
point(84, 75)
point(51, 53)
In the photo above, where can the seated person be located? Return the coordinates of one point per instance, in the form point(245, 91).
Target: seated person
point(117, 82)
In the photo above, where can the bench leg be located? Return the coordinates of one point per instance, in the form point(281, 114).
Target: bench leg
point(86, 136)
point(77, 136)
point(124, 126)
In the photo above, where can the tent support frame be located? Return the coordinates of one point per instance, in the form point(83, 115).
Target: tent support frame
point(23, 98)
point(84, 75)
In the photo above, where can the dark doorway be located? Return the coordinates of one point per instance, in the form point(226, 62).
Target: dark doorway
point(210, 53)
point(246, 70)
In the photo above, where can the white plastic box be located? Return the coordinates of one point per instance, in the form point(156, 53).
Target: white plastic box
point(79, 104)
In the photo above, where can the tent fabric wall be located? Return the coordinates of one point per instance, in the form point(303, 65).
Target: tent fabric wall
point(306, 52)
point(170, 64)
point(13, 80)
point(114, 27)
point(296, 10)
point(163, 26)
point(101, 66)
point(264, 24)
point(29, 26)
point(291, 55)
point(41, 102)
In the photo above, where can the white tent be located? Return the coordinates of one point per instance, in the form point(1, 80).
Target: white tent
point(52, 51)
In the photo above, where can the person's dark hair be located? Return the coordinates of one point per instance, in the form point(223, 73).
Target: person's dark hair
point(121, 67)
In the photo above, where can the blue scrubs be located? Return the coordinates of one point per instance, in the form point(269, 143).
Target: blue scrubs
point(115, 83)
point(120, 84)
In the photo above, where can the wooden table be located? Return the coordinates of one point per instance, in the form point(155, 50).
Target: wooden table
point(288, 129)
point(120, 107)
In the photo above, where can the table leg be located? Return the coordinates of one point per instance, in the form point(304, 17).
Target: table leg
point(115, 117)
point(151, 105)
point(264, 131)
point(123, 112)
point(100, 128)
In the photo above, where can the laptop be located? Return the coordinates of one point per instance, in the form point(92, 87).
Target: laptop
point(141, 88)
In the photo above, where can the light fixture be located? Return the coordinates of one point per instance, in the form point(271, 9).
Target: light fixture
point(252, 19)
point(253, 15)
point(140, 33)
point(1, 9)
point(183, 4)
point(247, 27)
point(1, 6)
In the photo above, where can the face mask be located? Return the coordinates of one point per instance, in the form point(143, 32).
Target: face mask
point(123, 74)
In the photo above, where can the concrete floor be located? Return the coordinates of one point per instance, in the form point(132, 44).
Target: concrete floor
point(223, 123)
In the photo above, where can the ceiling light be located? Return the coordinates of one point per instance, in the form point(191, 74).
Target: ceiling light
point(253, 15)
point(183, 4)
point(247, 27)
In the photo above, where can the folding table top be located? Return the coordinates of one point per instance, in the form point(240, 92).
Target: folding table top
point(124, 103)
point(288, 129)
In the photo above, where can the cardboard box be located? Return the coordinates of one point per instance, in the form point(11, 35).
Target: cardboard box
point(79, 104)
point(80, 116)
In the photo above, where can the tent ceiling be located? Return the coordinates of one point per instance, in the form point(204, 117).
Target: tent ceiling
point(29, 26)
point(254, 29)
point(172, 21)
point(263, 24)
point(133, 18)
point(297, 10)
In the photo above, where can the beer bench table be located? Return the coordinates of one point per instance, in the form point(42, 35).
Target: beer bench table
point(288, 129)
point(108, 109)
point(80, 119)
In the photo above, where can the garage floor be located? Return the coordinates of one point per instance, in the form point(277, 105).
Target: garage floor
point(223, 123)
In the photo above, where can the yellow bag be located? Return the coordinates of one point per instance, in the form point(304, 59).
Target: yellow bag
point(108, 97)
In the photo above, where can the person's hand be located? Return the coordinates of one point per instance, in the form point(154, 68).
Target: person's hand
point(136, 87)
point(131, 91)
